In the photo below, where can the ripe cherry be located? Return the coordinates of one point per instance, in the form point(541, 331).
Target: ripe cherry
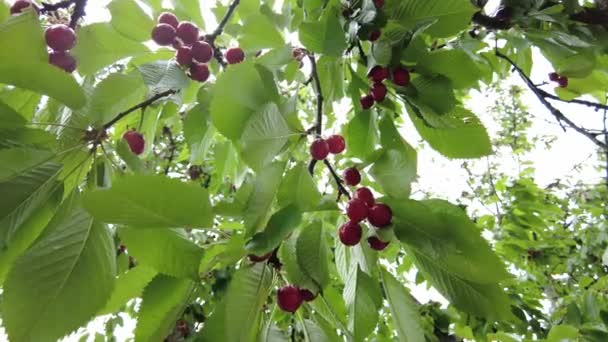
point(184, 56)
point(350, 233)
point(135, 141)
point(365, 194)
point(202, 52)
point(562, 82)
point(367, 101)
point(336, 144)
point(351, 176)
point(60, 37)
point(380, 215)
point(374, 35)
point(376, 244)
point(553, 76)
point(319, 149)
point(21, 5)
point(163, 34)
point(307, 295)
point(168, 18)
point(356, 210)
point(379, 92)
point(289, 298)
point(187, 32)
point(401, 76)
point(379, 3)
point(63, 60)
point(235, 55)
point(259, 258)
point(199, 72)
point(378, 73)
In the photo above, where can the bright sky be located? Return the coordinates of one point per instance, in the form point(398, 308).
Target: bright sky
point(442, 177)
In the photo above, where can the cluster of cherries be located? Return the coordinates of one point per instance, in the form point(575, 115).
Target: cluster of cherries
point(59, 38)
point(562, 81)
point(399, 75)
point(192, 52)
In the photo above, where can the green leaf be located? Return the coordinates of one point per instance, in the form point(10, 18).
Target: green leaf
point(45, 79)
point(443, 233)
point(151, 202)
point(459, 134)
point(44, 291)
point(100, 45)
point(404, 312)
point(349, 259)
point(188, 10)
point(129, 285)
point(363, 299)
point(293, 271)
point(198, 133)
point(163, 301)
point(331, 77)
point(114, 94)
point(131, 20)
point(161, 76)
point(395, 170)
point(169, 251)
point(563, 333)
point(258, 32)
point(264, 136)
point(435, 92)
point(280, 225)
point(9, 118)
point(241, 306)
point(313, 254)
point(362, 132)
point(299, 188)
point(230, 110)
point(324, 36)
point(466, 75)
point(23, 33)
point(261, 198)
point(452, 16)
point(22, 101)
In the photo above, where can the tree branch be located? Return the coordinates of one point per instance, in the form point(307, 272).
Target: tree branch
point(554, 111)
point(78, 12)
point(46, 7)
point(138, 106)
point(595, 105)
point(319, 95)
point(220, 28)
point(172, 148)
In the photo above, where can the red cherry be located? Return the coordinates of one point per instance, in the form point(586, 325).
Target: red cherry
point(374, 35)
point(235, 55)
point(307, 295)
point(259, 258)
point(135, 141)
point(63, 60)
point(379, 92)
point(351, 176)
point(380, 215)
point(187, 32)
point(199, 72)
point(20, 5)
point(378, 73)
point(553, 76)
point(168, 18)
point(401, 76)
point(289, 298)
point(350, 233)
point(336, 144)
point(376, 244)
point(562, 82)
point(365, 194)
point(163, 34)
point(356, 210)
point(60, 37)
point(184, 56)
point(379, 3)
point(202, 52)
point(319, 149)
point(367, 101)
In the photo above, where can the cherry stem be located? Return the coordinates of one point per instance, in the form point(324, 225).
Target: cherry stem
point(341, 189)
point(319, 94)
point(210, 38)
point(138, 106)
point(543, 96)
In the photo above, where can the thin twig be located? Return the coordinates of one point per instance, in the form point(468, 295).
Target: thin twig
point(139, 106)
point(172, 148)
point(220, 28)
point(554, 111)
point(606, 141)
point(362, 53)
point(319, 95)
point(78, 12)
point(595, 105)
point(341, 189)
point(46, 7)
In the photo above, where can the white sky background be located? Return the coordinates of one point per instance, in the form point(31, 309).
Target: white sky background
point(445, 178)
